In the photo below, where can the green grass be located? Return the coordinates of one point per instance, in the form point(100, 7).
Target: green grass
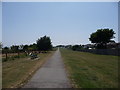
point(16, 72)
point(88, 70)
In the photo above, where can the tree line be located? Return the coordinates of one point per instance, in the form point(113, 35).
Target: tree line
point(42, 44)
point(100, 38)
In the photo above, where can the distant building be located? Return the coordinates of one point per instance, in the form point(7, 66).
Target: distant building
point(88, 46)
point(113, 45)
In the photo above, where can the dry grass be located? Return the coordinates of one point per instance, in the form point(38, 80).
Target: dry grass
point(17, 72)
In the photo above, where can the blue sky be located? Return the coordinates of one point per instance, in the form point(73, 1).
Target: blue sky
point(0, 21)
point(65, 23)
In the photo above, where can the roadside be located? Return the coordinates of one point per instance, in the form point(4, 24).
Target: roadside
point(88, 70)
point(17, 72)
point(51, 75)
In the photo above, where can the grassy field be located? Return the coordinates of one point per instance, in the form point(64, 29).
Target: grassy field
point(88, 70)
point(17, 72)
point(12, 56)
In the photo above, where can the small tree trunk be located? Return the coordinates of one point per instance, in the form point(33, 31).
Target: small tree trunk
point(6, 56)
point(18, 54)
point(26, 53)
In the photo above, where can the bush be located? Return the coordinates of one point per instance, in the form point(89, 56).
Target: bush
point(76, 47)
point(4, 59)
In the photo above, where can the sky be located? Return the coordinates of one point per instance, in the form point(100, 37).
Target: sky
point(64, 22)
point(0, 21)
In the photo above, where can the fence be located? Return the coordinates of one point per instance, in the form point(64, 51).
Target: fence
point(115, 52)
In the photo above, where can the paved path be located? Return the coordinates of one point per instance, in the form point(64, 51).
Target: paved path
point(51, 75)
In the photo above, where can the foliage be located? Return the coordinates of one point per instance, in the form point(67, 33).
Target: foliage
point(1, 45)
point(101, 37)
point(32, 47)
point(5, 50)
point(44, 43)
point(25, 47)
point(14, 48)
point(76, 47)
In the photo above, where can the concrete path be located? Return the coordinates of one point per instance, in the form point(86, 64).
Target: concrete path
point(51, 75)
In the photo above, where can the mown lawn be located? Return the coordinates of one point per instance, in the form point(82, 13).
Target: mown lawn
point(88, 70)
point(15, 73)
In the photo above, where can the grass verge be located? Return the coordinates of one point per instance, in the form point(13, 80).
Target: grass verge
point(88, 70)
point(17, 72)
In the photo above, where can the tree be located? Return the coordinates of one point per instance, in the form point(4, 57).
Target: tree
point(6, 50)
point(101, 37)
point(25, 47)
point(32, 47)
point(1, 45)
point(15, 48)
point(44, 43)
point(76, 47)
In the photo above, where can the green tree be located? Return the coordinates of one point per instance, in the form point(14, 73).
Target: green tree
point(15, 48)
point(1, 45)
point(5, 50)
point(101, 37)
point(25, 47)
point(44, 43)
point(76, 47)
point(32, 47)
